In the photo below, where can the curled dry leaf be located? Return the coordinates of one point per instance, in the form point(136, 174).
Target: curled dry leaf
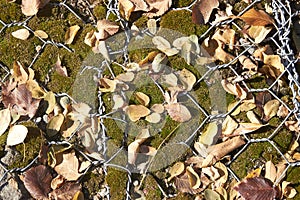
point(22, 34)
point(158, 62)
point(178, 112)
point(247, 63)
point(229, 125)
point(71, 33)
point(16, 135)
point(31, 7)
point(153, 118)
point(193, 178)
point(187, 78)
point(5, 119)
point(288, 191)
point(133, 147)
point(252, 117)
point(257, 18)
point(37, 181)
point(135, 112)
point(55, 124)
point(68, 166)
point(202, 10)
point(282, 111)
point(59, 68)
point(245, 128)
point(225, 36)
point(176, 170)
point(69, 190)
point(41, 34)
point(163, 45)
point(237, 109)
point(109, 27)
point(270, 171)
point(142, 98)
point(57, 182)
point(36, 91)
point(257, 188)
point(234, 89)
point(90, 38)
point(107, 85)
point(271, 108)
point(126, 7)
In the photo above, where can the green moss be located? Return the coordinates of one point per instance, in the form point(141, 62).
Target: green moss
point(116, 180)
point(100, 11)
point(172, 19)
point(182, 3)
point(10, 12)
point(32, 143)
point(255, 156)
point(141, 22)
point(13, 49)
point(239, 7)
point(3, 139)
point(257, 82)
point(150, 188)
point(293, 176)
point(92, 184)
point(183, 196)
point(59, 83)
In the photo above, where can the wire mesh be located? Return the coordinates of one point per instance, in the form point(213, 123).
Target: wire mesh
point(281, 40)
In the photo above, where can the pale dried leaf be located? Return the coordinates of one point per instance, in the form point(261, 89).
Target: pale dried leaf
point(61, 70)
point(210, 135)
point(178, 112)
point(5, 119)
point(222, 55)
point(142, 98)
point(57, 182)
point(41, 34)
point(202, 10)
point(126, 77)
point(193, 178)
point(55, 124)
point(252, 117)
point(71, 33)
point(225, 36)
point(36, 91)
point(16, 135)
point(153, 118)
point(271, 108)
point(22, 34)
point(187, 78)
point(51, 101)
point(259, 33)
point(157, 8)
point(247, 63)
point(158, 108)
point(67, 191)
point(257, 18)
point(270, 171)
point(108, 26)
point(236, 111)
point(90, 38)
point(234, 89)
point(229, 125)
point(210, 194)
point(133, 148)
point(158, 62)
point(170, 79)
point(126, 7)
point(273, 60)
point(282, 111)
point(183, 185)
point(135, 112)
point(107, 85)
point(68, 166)
point(245, 128)
point(152, 26)
point(222, 169)
point(118, 102)
point(288, 191)
point(31, 7)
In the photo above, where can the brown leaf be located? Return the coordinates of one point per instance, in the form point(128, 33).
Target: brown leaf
point(37, 181)
point(71, 33)
point(257, 188)
point(176, 170)
point(158, 7)
point(193, 177)
point(20, 99)
point(31, 7)
point(142, 98)
point(61, 70)
point(135, 112)
point(68, 166)
point(257, 18)
point(41, 34)
point(183, 185)
point(66, 192)
point(202, 10)
point(259, 33)
point(133, 147)
point(107, 27)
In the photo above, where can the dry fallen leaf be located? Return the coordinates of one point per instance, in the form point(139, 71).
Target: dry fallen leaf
point(271, 109)
point(178, 112)
point(16, 135)
point(135, 112)
point(163, 45)
point(22, 34)
point(68, 190)
point(229, 125)
point(187, 78)
point(288, 191)
point(158, 108)
point(259, 33)
point(210, 194)
point(37, 181)
point(157, 8)
point(107, 85)
point(202, 10)
point(126, 77)
point(142, 98)
point(5, 119)
point(41, 34)
point(176, 170)
point(234, 89)
point(55, 124)
point(183, 185)
point(57, 182)
point(245, 128)
point(257, 18)
point(61, 70)
point(31, 7)
point(133, 147)
point(67, 166)
point(193, 178)
point(257, 188)
point(152, 26)
point(126, 7)
point(210, 135)
point(153, 118)
point(273, 60)
point(107, 26)
point(71, 33)
point(270, 171)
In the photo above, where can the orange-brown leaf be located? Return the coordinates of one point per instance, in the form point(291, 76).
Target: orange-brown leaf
point(257, 18)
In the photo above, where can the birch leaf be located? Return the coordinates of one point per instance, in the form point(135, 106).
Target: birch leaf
point(71, 33)
point(257, 18)
point(209, 136)
point(5, 119)
point(16, 135)
point(22, 34)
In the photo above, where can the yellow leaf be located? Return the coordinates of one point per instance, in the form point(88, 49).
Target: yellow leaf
point(71, 33)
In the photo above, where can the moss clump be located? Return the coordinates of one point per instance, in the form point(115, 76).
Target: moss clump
point(116, 181)
point(253, 157)
point(141, 22)
point(239, 7)
point(32, 143)
point(10, 12)
point(13, 49)
point(257, 82)
point(100, 11)
point(92, 184)
point(182, 3)
point(183, 19)
point(293, 176)
point(150, 188)
point(183, 196)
